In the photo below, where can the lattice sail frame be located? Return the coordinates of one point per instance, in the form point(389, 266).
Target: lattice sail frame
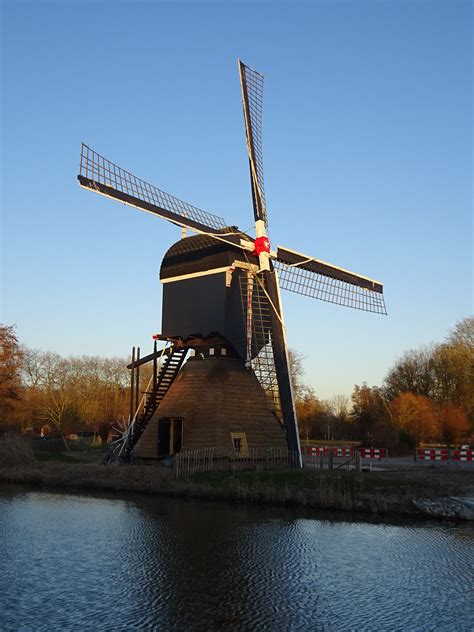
point(98, 169)
point(253, 81)
point(256, 310)
point(323, 287)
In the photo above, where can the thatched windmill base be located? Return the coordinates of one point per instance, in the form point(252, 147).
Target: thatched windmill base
point(214, 402)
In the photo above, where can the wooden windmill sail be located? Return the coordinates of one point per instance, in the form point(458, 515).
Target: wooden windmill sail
point(228, 280)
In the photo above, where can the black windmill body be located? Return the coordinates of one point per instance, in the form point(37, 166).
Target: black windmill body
point(221, 299)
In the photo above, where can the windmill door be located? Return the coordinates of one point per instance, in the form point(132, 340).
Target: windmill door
point(164, 436)
point(170, 436)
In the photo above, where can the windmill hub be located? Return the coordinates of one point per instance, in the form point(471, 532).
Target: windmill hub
point(261, 244)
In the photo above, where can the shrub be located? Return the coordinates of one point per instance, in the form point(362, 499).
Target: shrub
point(15, 450)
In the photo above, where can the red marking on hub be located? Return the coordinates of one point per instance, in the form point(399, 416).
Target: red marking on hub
point(261, 244)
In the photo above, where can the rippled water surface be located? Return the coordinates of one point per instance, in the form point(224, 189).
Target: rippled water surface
point(88, 563)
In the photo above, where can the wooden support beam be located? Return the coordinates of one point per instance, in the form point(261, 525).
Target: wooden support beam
point(132, 383)
point(137, 380)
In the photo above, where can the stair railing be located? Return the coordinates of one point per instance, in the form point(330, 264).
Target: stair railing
point(131, 425)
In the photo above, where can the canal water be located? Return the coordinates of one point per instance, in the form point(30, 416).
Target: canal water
point(81, 562)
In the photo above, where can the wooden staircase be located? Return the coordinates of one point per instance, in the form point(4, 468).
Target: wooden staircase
point(174, 360)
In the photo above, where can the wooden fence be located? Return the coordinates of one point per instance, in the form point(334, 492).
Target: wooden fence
point(330, 461)
point(188, 462)
point(43, 444)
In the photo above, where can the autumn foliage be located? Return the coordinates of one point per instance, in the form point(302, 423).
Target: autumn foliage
point(42, 392)
point(414, 416)
point(11, 359)
point(453, 423)
point(427, 395)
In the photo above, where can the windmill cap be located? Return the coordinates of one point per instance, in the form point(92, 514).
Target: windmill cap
point(203, 252)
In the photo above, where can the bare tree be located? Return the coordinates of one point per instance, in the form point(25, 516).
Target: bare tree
point(296, 373)
point(103, 392)
point(339, 406)
point(59, 382)
point(75, 391)
point(371, 415)
point(412, 373)
point(463, 333)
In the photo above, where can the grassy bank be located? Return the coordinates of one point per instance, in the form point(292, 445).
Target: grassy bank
point(384, 493)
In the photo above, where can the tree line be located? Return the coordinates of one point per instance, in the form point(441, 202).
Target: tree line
point(426, 396)
point(42, 391)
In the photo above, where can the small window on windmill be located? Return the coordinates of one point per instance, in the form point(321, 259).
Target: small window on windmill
point(239, 443)
point(223, 351)
point(211, 351)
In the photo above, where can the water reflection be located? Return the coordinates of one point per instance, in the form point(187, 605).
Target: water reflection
point(82, 563)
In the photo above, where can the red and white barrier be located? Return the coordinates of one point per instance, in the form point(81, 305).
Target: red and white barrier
point(377, 454)
point(433, 454)
point(344, 452)
point(373, 453)
point(316, 450)
point(325, 451)
point(463, 455)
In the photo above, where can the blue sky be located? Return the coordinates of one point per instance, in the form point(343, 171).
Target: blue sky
point(367, 157)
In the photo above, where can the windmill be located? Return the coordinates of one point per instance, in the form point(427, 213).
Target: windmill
point(221, 303)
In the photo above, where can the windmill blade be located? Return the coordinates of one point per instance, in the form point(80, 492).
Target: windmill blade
point(251, 83)
point(319, 279)
point(102, 176)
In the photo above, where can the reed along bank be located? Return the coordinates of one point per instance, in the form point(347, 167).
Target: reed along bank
point(387, 492)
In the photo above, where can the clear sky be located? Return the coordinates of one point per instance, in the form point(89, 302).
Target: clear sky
point(367, 157)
